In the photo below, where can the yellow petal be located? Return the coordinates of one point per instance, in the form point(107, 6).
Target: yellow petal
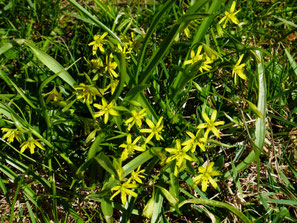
point(214, 115)
point(150, 123)
point(204, 185)
point(205, 117)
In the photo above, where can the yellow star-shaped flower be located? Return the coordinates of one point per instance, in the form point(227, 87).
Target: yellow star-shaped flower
point(180, 155)
point(135, 176)
point(154, 130)
point(210, 124)
point(238, 70)
point(31, 144)
point(199, 57)
point(230, 16)
point(87, 92)
point(53, 95)
point(136, 118)
point(106, 110)
point(205, 176)
point(111, 66)
point(130, 147)
point(124, 190)
point(196, 140)
point(98, 42)
point(11, 134)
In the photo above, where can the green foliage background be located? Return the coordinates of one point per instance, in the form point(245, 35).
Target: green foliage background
point(44, 46)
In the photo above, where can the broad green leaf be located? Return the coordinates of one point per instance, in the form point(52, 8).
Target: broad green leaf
point(51, 63)
point(11, 44)
point(149, 208)
point(105, 162)
point(158, 203)
point(107, 210)
point(95, 147)
point(169, 196)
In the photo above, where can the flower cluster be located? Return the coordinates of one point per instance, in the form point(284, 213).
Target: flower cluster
point(31, 143)
point(124, 188)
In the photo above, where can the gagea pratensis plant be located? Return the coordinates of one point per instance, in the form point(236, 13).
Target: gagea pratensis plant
point(149, 119)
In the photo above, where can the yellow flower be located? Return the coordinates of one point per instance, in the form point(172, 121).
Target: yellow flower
point(190, 25)
point(210, 124)
point(111, 66)
point(87, 92)
point(124, 189)
point(130, 147)
point(11, 134)
point(238, 70)
point(135, 176)
point(206, 176)
point(130, 42)
point(199, 57)
point(124, 50)
point(136, 118)
point(180, 155)
point(106, 110)
point(96, 63)
point(98, 42)
point(230, 16)
point(210, 53)
point(53, 95)
point(195, 141)
point(154, 130)
point(31, 143)
point(112, 85)
point(187, 32)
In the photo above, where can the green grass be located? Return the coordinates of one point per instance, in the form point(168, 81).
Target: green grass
point(48, 71)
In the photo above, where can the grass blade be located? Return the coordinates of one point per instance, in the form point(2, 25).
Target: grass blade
point(156, 20)
point(10, 82)
point(219, 204)
point(95, 20)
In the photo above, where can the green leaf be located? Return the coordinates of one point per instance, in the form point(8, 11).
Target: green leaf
point(158, 202)
point(105, 162)
point(156, 20)
point(149, 208)
point(135, 90)
point(169, 196)
point(285, 202)
point(292, 61)
point(11, 44)
point(255, 109)
point(89, 16)
point(219, 204)
point(10, 82)
point(95, 147)
point(51, 63)
point(32, 217)
point(139, 160)
point(107, 209)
